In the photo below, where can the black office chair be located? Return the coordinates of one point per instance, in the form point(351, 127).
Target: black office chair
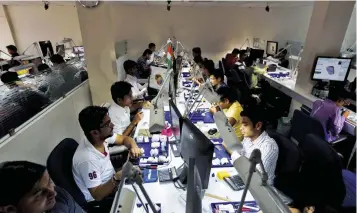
point(59, 165)
point(303, 124)
point(321, 180)
point(288, 166)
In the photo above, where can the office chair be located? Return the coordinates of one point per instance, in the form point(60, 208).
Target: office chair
point(288, 166)
point(321, 180)
point(303, 124)
point(59, 166)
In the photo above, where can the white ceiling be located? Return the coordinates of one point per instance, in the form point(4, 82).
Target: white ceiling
point(185, 3)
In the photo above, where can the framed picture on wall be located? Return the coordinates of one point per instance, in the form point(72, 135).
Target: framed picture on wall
point(272, 48)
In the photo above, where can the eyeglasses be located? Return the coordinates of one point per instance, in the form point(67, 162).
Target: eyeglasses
point(106, 124)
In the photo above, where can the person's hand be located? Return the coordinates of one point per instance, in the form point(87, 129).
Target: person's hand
point(213, 109)
point(138, 117)
point(118, 175)
point(346, 113)
point(135, 152)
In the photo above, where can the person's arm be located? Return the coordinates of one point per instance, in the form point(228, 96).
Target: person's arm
point(132, 125)
point(138, 94)
point(269, 158)
point(91, 176)
point(259, 71)
point(130, 143)
point(336, 122)
point(137, 105)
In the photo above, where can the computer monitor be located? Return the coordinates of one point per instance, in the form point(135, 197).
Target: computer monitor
point(195, 145)
point(60, 50)
point(272, 48)
point(194, 188)
point(46, 48)
point(331, 68)
point(255, 54)
point(176, 121)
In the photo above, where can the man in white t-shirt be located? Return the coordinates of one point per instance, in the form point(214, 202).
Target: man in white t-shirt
point(92, 169)
point(122, 105)
point(131, 69)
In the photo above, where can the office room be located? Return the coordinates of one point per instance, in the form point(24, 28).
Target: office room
point(177, 106)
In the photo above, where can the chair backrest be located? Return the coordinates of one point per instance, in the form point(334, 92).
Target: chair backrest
point(303, 124)
point(288, 166)
point(59, 165)
point(321, 175)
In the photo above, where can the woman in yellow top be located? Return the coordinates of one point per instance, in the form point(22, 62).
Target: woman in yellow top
point(231, 108)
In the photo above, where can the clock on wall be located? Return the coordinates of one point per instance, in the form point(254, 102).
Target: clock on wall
point(88, 4)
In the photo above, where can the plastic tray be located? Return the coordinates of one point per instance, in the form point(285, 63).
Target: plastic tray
point(147, 148)
point(252, 204)
point(221, 153)
point(186, 74)
point(197, 116)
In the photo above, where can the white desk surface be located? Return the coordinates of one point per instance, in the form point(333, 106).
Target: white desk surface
point(167, 195)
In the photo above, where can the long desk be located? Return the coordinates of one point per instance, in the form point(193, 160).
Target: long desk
point(170, 197)
point(289, 87)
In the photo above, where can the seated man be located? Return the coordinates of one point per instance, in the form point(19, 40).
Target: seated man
point(231, 58)
point(92, 169)
point(282, 58)
point(255, 137)
point(131, 70)
point(144, 64)
point(121, 107)
point(330, 114)
point(196, 51)
point(231, 107)
point(217, 79)
point(253, 73)
point(27, 187)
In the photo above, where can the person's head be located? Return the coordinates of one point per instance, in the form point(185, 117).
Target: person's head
point(159, 79)
point(57, 59)
point(338, 95)
point(282, 53)
point(130, 67)
point(121, 93)
point(216, 77)
point(147, 54)
point(227, 97)
point(96, 124)
point(152, 47)
point(25, 188)
point(11, 49)
point(242, 55)
point(196, 51)
point(198, 60)
point(43, 67)
point(248, 61)
point(235, 52)
point(208, 67)
point(253, 121)
point(10, 78)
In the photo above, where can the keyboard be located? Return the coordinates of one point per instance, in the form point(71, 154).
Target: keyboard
point(235, 182)
point(167, 174)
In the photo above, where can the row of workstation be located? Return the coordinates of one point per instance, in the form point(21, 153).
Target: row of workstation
point(167, 195)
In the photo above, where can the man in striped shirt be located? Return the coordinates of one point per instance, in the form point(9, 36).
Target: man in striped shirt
point(255, 137)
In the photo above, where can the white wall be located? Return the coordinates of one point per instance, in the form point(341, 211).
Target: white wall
point(35, 141)
point(32, 23)
point(5, 33)
point(217, 30)
point(350, 36)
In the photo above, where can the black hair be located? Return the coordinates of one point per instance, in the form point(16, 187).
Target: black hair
point(11, 47)
point(197, 50)
point(43, 67)
point(256, 114)
point(337, 94)
point(90, 118)
point(147, 51)
point(119, 90)
point(283, 51)
point(9, 77)
point(235, 51)
point(57, 59)
point(128, 65)
point(209, 65)
point(17, 178)
point(152, 45)
point(248, 61)
point(198, 59)
point(227, 93)
point(218, 73)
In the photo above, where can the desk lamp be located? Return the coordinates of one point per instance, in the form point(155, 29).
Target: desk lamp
point(157, 118)
point(266, 197)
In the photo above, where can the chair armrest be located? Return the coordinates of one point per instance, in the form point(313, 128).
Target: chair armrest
point(338, 140)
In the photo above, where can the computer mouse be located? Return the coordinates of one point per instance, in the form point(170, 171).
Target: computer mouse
point(212, 131)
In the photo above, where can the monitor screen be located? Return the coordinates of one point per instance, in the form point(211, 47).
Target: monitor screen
point(46, 48)
point(272, 48)
point(328, 68)
point(176, 120)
